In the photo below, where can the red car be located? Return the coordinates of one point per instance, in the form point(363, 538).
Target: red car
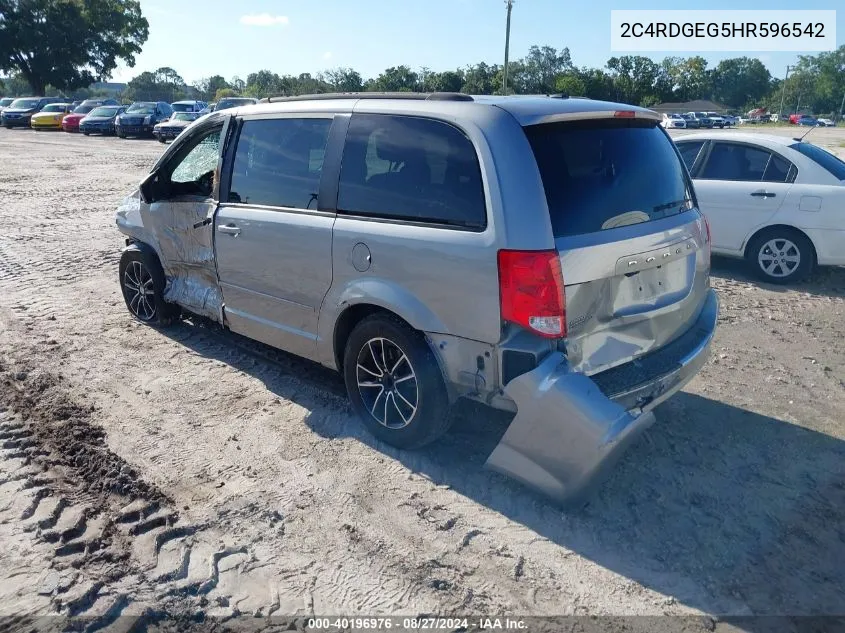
point(71, 122)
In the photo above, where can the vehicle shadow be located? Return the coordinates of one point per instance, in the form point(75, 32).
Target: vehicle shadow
point(827, 281)
point(723, 509)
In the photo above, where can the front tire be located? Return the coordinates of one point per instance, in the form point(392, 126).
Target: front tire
point(781, 256)
point(142, 283)
point(394, 383)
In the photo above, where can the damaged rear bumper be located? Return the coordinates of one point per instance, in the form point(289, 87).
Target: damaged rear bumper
point(569, 428)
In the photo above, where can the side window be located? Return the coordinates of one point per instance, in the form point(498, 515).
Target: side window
point(779, 170)
point(690, 151)
point(278, 162)
point(195, 165)
point(411, 168)
point(733, 161)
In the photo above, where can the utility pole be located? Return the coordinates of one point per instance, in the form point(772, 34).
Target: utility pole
point(783, 92)
point(509, 4)
point(842, 108)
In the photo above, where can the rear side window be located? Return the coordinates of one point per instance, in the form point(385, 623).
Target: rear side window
point(410, 168)
point(605, 173)
point(739, 162)
point(690, 151)
point(278, 162)
point(822, 158)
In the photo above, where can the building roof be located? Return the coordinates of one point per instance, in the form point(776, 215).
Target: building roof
point(698, 105)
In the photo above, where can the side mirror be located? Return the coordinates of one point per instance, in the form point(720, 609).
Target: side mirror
point(148, 187)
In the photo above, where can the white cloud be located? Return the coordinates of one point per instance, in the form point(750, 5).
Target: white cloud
point(327, 55)
point(264, 19)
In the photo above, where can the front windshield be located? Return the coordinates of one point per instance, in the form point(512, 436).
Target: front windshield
point(84, 109)
point(182, 107)
point(107, 111)
point(184, 116)
point(142, 108)
point(55, 107)
point(24, 104)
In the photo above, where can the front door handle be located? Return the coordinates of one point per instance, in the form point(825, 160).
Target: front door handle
point(229, 229)
point(764, 194)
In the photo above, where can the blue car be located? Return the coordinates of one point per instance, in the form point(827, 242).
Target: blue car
point(141, 117)
point(101, 120)
point(808, 120)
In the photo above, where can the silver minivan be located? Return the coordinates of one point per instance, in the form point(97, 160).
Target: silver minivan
point(540, 255)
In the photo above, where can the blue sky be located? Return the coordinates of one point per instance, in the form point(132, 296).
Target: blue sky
point(230, 38)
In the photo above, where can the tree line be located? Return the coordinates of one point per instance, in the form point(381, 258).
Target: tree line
point(62, 46)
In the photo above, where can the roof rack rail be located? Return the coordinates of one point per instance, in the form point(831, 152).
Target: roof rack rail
point(421, 96)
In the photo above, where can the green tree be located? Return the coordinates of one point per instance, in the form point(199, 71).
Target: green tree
point(264, 83)
point(741, 81)
point(208, 87)
point(16, 86)
point(223, 93)
point(597, 84)
point(541, 67)
point(447, 81)
point(69, 43)
point(634, 77)
point(482, 79)
point(342, 80)
point(164, 84)
point(396, 79)
point(820, 80)
point(692, 79)
point(571, 84)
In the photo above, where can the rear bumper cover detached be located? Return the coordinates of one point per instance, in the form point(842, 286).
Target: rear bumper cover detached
point(569, 428)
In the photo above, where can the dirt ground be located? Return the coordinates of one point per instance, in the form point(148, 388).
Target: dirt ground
point(191, 473)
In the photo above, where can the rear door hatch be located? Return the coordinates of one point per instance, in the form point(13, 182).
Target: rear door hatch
point(633, 247)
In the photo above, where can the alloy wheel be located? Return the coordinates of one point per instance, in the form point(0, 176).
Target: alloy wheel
point(139, 290)
point(387, 383)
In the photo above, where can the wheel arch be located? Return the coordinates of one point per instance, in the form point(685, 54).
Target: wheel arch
point(353, 314)
point(783, 227)
point(150, 256)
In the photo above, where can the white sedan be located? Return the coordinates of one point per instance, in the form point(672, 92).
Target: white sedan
point(777, 202)
point(673, 121)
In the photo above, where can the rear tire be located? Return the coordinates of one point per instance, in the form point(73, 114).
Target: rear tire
point(781, 256)
point(142, 283)
point(394, 382)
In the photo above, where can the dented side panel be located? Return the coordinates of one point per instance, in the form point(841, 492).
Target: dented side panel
point(180, 229)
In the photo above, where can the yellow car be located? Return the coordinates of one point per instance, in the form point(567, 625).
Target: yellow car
point(50, 118)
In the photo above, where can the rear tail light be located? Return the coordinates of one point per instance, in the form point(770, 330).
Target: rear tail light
point(531, 291)
point(624, 114)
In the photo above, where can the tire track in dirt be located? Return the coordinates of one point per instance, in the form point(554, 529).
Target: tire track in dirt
point(86, 509)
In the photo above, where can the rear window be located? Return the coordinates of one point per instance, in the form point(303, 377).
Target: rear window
point(602, 174)
point(411, 169)
point(822, 158)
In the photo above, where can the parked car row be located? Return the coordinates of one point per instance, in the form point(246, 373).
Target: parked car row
point(157, 119)
point(696, 120)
